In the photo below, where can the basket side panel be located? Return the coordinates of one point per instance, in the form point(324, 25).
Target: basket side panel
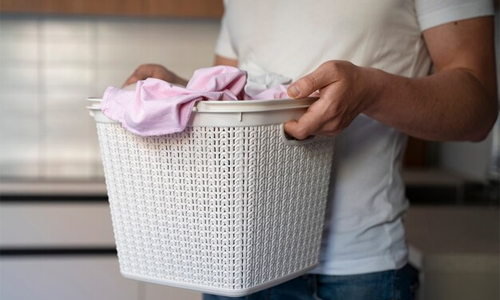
point(216, 207)
point(176, 204)
point(288, 186)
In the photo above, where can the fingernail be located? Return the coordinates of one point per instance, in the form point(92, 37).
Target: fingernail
point(293, 91)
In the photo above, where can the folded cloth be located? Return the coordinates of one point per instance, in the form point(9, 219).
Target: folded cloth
point(157, 107)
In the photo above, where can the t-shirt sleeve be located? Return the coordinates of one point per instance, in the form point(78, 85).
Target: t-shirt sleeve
point(224, 46)
point(432, 13)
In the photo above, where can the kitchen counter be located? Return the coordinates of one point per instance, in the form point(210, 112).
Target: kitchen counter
point(53, 188)
point(457, 249)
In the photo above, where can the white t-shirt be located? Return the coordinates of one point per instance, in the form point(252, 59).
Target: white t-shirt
point(363, 227)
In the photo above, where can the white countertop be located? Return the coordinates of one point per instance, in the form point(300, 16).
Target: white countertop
point(454, 229)
point(42, 188)
point(437, 234)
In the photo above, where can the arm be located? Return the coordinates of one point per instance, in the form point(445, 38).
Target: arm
point(458, 102)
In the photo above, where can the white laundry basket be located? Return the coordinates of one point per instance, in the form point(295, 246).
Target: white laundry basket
point(230, 206)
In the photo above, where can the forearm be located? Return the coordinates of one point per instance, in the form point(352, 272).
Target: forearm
point(450, 105)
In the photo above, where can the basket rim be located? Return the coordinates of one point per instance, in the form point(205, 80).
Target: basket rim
point(236, 106)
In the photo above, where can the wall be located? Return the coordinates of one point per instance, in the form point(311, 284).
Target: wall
point(49, 66)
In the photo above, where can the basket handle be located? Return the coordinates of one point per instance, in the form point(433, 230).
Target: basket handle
point(91, 111)
point(290, 140)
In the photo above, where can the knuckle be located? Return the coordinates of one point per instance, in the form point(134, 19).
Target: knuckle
point(310, 80)
point(331, 64)
point(301, 133)
point(143, 68)
point(333, 128)
point(338, 67)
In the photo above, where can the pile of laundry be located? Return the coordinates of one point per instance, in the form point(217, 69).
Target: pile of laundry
point(157, 107)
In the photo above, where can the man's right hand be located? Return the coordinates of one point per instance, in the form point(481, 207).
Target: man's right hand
point(155, 71)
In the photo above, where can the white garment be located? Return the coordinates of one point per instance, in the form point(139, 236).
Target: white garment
point(363, 228)
point(258, 83)
point(260, 80)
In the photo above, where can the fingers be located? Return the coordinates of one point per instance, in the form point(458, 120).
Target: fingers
point(131, 80)
point(142, 72)
point(145, 71)
point(312, 121)
point(337, 106)
point(301, 129)
point(319, 78)
point(297, 130)
point(322, 116)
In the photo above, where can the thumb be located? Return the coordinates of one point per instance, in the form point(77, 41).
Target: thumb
point(312, 82)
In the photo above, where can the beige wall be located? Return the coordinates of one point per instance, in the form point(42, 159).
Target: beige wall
point(49, 65)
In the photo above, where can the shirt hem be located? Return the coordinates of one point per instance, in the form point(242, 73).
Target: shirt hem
point(361, 266)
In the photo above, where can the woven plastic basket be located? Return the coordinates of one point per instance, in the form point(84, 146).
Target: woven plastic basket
point(230, 206)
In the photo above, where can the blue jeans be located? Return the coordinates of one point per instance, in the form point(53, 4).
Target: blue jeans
point(387, 285)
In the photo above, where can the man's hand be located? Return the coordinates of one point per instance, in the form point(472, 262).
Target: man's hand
point(158, 71)
point(155, 71)
point(457, 103)
point(345, 91)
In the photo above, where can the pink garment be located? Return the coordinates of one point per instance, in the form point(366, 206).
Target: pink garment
point(157, 107)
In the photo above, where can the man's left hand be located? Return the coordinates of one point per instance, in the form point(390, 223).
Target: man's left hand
point(345, 92)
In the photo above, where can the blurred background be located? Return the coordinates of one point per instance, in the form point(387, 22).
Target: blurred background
point(56, 240)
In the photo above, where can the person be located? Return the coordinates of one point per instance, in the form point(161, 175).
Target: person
point(384, 70)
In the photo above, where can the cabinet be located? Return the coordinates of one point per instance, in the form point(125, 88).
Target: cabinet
point(75, 278)
point(457, 250)
point(156, 8)
point(55, 225)
point(416, 154)
point(57, 243)
point(183, 8)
